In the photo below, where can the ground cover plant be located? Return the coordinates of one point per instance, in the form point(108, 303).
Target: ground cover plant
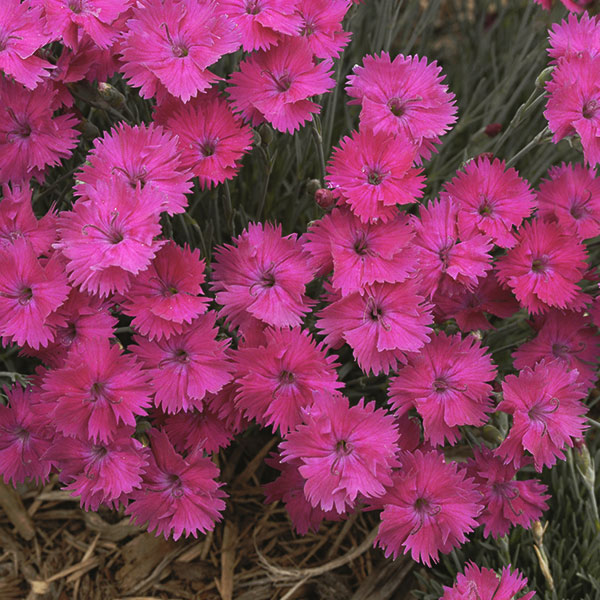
point(312, 282)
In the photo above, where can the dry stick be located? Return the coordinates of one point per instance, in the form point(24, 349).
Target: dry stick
point(342, 534)
point(15, 511)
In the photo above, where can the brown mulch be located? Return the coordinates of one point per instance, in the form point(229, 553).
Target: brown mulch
point(52, 550)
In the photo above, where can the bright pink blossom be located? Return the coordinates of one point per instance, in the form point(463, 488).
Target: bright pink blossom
point(322, 26)
point(577, 6)
point(573, 37)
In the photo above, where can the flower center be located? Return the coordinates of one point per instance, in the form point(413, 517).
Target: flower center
point(25, 296)
point(343, 447)
point(441, 384)
point(76, 6)
point(67, 335)
point(96, 391)
point(360, 246)
point(485, 208)
point(176, 485)
point(267, 279)
point(181, 356)
point(590, 108)
point(539, 265)
point(287, 377)
point(578, 210)
point(180, 50)
point(561, 350)
point(374, 177)
point(397, 106)
point(253, 7)
point(283, 82)
point(112, 233)
point(207, 148)
point(21, 434)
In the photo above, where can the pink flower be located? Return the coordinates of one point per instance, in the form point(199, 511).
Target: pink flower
point(571, 37)
point(110, 235)
point(571, 197)
point(280, 378)
point(96, 390)
point(491, 200)
point(429, 509)
point(543, 269)
point(212, 140)
point(186, 366)
point(179, 495)
point(322, 26)
point(142, 154)
point(573, 5)
point(31, 290)
point(381, 324)
point(170, 44)
point(21, 36)
point(25, 436)
point(30, 137)
point(263, 23)
point(338, 456)
point(168, 294)
point(274, 85)
point(404, 95)
point(485, 584)
point(448, 263)
point(447, 382)
point(566, 337)
point(263, 275)
point(362, 253)
point(547, 410)
point(372, 173)
point(507, 502)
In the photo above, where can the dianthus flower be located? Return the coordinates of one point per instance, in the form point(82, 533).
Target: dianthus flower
point(577, 6)
point(262, 23)
point(275, 85)
point(381, 324)
point(31, 290)
point(485, 584)
point(179, 495)
point(404, 95)
point(110, 235)
point(25, 436)
point(263, 275)
point(64, 18)
point(429, 508)
point(572, 38)
point(564, 336)
point(573, 105)
point(373, 173)
point(322, 26)
point(543, 269)
point(547, 410)
point(21, 35)
point(448, 263)
point(186, 366)
point(345, 451)
point(168, 294)
point(507, 502)
point(447, 382)
point(491, 200)
point(95, 390)
point(362, 253)
point(278, 379)
point(169, 45)
point(223, 405)
point(571, 197)
point(99, 472)
point(144, 154)
point(212, 140)
point(289, 489)
point(30, 137)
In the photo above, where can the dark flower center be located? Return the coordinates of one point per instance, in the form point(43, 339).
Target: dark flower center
point(96, 391)
point(375, 177)
point(397, 106)
point(21, 433)
point(375, 313)
point(539, 265)
point(253, 7)
point(268, 279)
point(180, 50)
point(283, 82)
point(99, 452)
point(287, 377)
point(578, 210)
point(485, 208)
point(441, 384)
point(181, 356)
point(112, 233)
point(76, 6)
point(343, 447)
point(176, 485)
point(25, 296)
point(68, 334)
point(207, 148)
point(561, 350)
point(590, 108)
point(360, 246)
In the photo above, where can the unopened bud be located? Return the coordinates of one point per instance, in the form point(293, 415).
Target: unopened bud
point(543, 77)
point(313, 186)
point(266, 134)
point(324, 198)
point(493, 129)
point(492, 434)
point(111, 95)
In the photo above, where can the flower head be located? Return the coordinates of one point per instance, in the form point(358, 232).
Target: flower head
point(321, 25)
point(572, 37)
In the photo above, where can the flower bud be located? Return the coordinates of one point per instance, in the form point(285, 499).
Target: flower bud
point(543, 77)
point(266, 134)
point(111, 95)
point(493, 129)
point(312, 186)
point(324, 198)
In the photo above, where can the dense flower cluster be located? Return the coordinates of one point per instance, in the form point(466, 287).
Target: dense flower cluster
point(258, 335)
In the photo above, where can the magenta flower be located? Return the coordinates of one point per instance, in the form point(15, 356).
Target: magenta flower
point(448, 263)
point(142, 154)
point(491, 200)
point(110, 235)
point(25, 435)
point(278, 379)
point(179, 495)
point(571, 197)
point(263, 23)
point(447, 382)
point(572, 5)
point(30, 137)
point(322, 26)
point(547, 410)
point(212, 140)
point(361, 253)
point(170, 44)
point(168, 294)
point(543, 269)
point(507, 502)
point(338, 456)
point(485, 584)
point(381, 324)
point(263, 275)
point(186, 366)
point(572, 38)
point(404, 95)
point(31, 290)
point(275, 85)
point(96, 390)
point(373, 173)
point(429, 509)
point(21, 36)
